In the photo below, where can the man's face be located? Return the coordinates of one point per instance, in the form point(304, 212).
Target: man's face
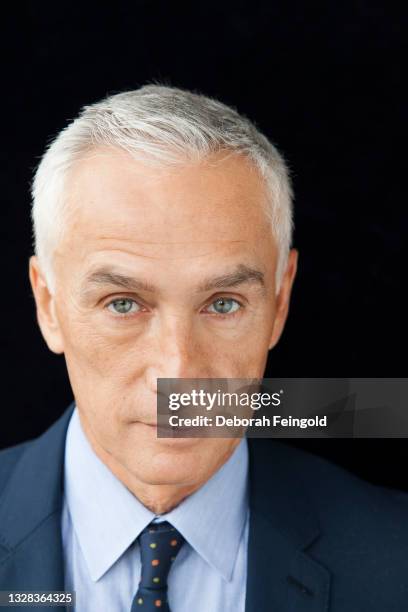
point(163, 273)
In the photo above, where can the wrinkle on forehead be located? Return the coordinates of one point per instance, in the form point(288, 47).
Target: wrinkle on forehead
point(150, 249)
point(203, 251)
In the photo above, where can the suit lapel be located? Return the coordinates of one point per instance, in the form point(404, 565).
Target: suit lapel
point(31, 555)
point(281, 576)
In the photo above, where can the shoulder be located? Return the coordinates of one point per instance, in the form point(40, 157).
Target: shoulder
point(338, 487)
point(9, 458)
point(337, 495)
point(34, 458)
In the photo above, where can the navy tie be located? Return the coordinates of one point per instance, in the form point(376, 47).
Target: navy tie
point(159, 545)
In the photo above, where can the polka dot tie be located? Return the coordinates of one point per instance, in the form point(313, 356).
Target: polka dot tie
point(159, 545)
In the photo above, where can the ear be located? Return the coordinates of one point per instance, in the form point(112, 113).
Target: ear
point(45, 305)
point(283, 297)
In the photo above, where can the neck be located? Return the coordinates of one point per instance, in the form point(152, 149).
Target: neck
point(159, 498)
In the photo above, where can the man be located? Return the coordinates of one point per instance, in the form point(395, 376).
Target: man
point(162, 226)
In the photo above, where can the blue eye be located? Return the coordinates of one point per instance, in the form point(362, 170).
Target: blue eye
point(224, 306)
point(123, 306)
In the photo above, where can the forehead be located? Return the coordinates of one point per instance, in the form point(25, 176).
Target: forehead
point(118, 204)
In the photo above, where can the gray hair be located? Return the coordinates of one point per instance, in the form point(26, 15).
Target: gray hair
point(160, 125)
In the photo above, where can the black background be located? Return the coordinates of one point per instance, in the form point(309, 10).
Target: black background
point(323, 80)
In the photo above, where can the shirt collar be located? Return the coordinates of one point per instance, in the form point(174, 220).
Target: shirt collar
point(107, 517)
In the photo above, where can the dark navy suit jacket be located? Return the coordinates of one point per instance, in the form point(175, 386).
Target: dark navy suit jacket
point(320, 539)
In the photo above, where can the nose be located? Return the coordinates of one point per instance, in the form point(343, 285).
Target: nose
point(177, 352)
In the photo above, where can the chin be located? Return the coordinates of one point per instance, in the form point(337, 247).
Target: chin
point(168, 475)
point(171, 465)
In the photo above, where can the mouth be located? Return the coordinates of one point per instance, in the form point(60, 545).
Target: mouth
point(167, 437)
point(167, 430)
point(145, 424)
point(154, 425)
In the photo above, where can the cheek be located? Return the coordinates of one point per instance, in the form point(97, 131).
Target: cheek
point(248, 362)
point(102, 373)
point(96, 352)
point(245, 357)
point(251, 351)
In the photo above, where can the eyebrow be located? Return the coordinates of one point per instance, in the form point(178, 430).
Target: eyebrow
point(109, 276)
point(242, 274)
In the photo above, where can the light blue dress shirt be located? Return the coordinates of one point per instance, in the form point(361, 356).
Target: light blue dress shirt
point(101, 520)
